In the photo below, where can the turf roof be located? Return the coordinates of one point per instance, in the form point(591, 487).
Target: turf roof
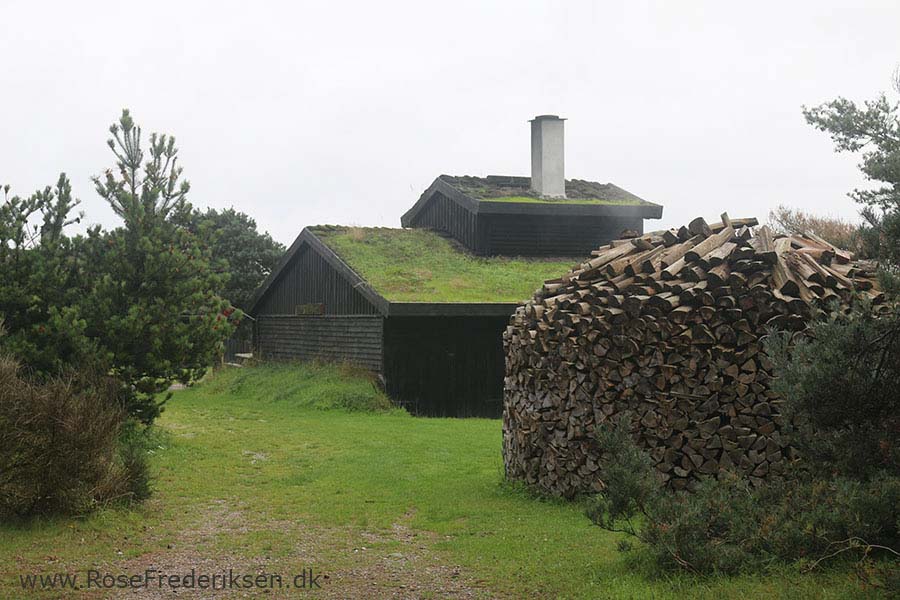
point(500, 188)
point(417, 265)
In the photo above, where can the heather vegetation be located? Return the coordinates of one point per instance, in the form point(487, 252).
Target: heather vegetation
point(66, 445)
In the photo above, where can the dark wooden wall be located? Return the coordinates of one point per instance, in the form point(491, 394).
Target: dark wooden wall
point(530, 235)
point(445, 366)
point(309, 279)
point(335, 338)
point(443, 214)
point(350, 330)
point(523, 235)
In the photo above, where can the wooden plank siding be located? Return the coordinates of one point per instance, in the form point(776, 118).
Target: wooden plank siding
point(445, 366)
point(309, 279)
point(488, 234)
point(355, 339)
point(443, 214)
point(529, 235)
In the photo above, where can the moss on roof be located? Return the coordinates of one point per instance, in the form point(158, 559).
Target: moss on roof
point(417, 265)
point(502, 188)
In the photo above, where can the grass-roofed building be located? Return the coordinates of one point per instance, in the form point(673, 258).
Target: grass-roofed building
point(425, 306)
point(500, 215)
point(408, 304)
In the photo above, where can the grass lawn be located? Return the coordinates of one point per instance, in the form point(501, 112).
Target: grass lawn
point(261, 469)
point(416, 265)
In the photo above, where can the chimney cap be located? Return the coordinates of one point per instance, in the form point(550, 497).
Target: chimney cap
point(546, 118)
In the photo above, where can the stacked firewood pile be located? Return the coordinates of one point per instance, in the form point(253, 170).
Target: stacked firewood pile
point(666, 328)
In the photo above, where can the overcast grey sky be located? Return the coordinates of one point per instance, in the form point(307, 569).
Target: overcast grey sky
point(335, 112)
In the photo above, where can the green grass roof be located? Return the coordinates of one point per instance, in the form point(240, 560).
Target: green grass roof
point(416, 265)
point(499, 188)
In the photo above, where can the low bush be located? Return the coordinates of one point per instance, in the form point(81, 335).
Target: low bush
point(727, 526)
point(840, 380)
point(837, 231)
point(841, 400)
point(65, 445)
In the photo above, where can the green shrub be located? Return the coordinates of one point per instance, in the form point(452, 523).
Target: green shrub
point(841, 499)
point(630, 481)
point(841, 380)
point(62, 445)
point(134, 443)
point(727, 526)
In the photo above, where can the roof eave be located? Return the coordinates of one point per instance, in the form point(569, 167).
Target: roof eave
point(451, 309)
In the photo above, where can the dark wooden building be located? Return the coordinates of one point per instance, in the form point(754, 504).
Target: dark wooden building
point(500, 215)
point(434, 358)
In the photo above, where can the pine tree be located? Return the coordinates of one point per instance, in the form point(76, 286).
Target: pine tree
point(873, 130)
point(249, 255)
point(152, 286)
point(40, 280)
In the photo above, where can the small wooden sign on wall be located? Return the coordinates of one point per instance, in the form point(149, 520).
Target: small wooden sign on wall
point(309, 309)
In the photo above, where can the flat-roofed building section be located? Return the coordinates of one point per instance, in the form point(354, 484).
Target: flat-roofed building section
point(504, 216)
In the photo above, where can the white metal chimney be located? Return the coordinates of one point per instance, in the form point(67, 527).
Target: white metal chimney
point(548, 177)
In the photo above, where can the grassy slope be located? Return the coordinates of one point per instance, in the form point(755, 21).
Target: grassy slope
point(254, 441)
point(414, 265)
